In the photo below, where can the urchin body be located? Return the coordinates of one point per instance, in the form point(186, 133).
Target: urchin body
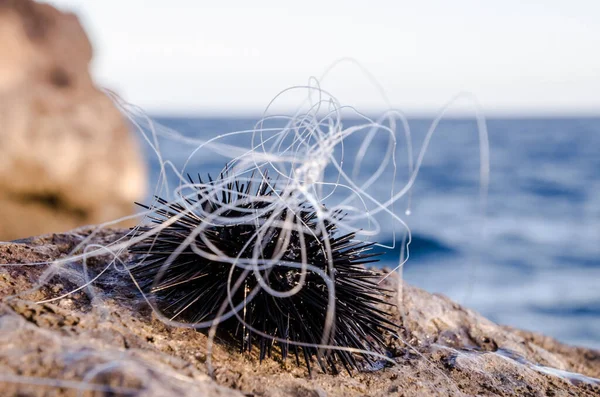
point(243, 225)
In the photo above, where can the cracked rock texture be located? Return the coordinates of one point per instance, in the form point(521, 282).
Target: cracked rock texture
point(103, 340)
point(67, 156)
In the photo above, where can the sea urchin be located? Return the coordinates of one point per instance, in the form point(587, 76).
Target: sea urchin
point(233, 223)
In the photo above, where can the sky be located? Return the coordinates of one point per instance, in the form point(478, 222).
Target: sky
point(209, 57)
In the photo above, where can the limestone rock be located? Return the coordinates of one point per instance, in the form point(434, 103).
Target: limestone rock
point(104, 339)
point(67, 156)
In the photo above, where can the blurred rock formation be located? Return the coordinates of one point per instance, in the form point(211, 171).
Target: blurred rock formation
point(67, 156)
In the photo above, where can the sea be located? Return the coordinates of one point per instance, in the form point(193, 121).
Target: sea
point(526, 254)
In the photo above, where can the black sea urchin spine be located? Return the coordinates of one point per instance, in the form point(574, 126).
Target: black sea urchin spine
point(192, 288)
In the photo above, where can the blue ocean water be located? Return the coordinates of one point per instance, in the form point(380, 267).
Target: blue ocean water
point(533, 263)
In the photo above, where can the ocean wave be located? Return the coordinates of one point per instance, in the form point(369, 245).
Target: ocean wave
point(421, 246)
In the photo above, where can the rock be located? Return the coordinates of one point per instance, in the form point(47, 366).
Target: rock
point(67, 156)
point(105, 339)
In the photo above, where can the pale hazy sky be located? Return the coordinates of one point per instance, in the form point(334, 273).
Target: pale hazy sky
point(234, 56)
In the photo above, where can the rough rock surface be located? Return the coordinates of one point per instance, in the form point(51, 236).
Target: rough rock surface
point(67, 157)
point(104, 340)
